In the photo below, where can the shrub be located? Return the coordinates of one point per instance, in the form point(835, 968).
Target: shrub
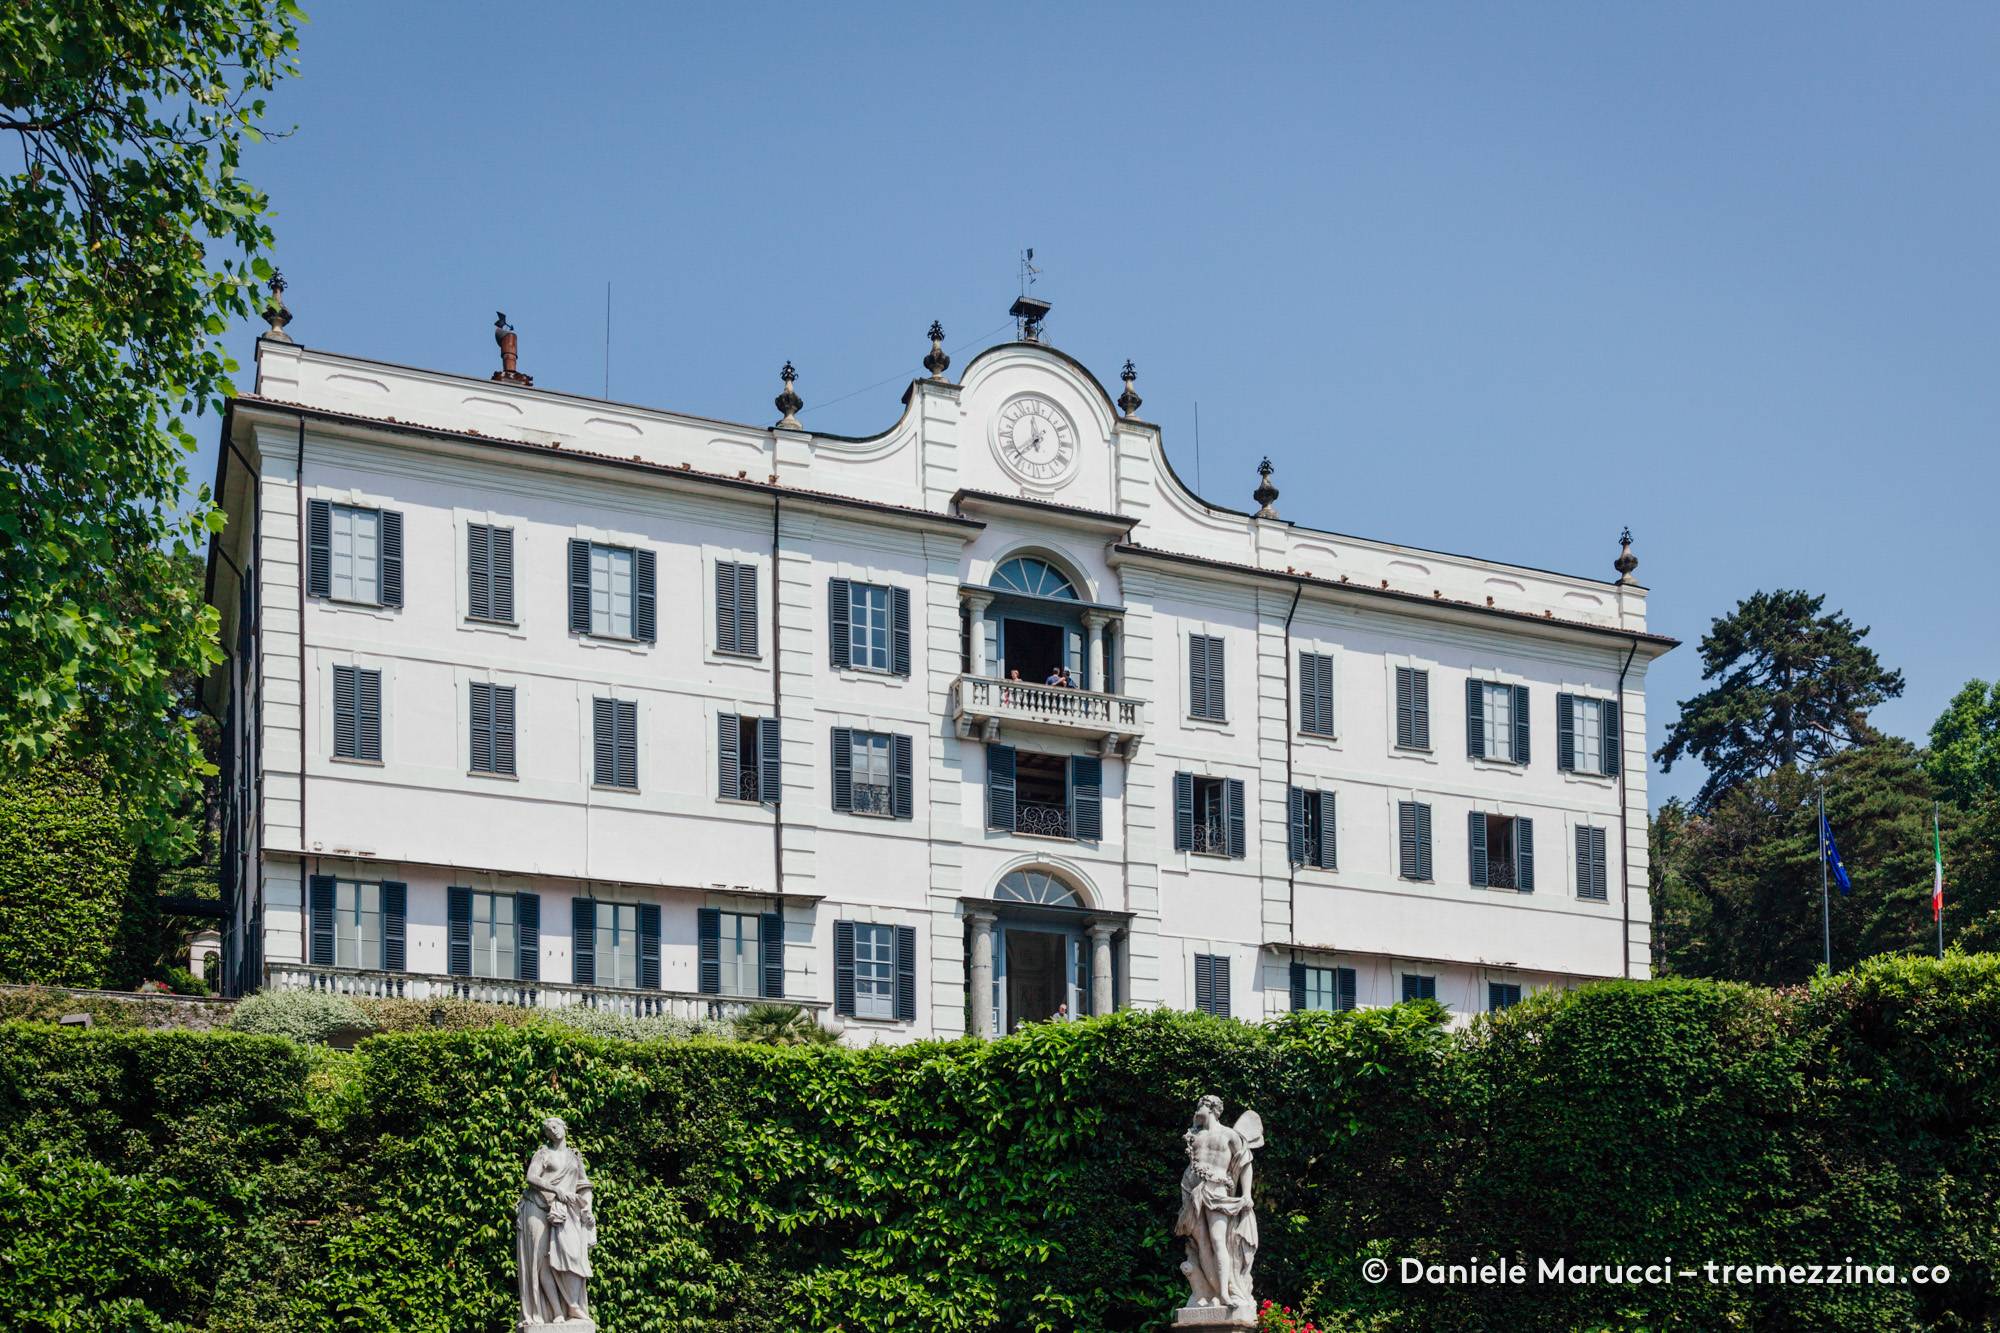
point(64, 869)
point(302, 1016)
point(183, 982)
point(624, 1027)
point(782, 1025)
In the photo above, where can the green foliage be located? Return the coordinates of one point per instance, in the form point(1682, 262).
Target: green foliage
point(1793, 685)
point(782, 1025)
point(301, 1016)
point(64, 870)
point(624, 1027)
point(1029, 1183)
point(1964, 758)
point(127, 241)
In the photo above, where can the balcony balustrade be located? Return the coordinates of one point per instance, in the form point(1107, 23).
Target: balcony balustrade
point(1211, 838)
point(983, 707)
point(1041, 821)
point(370, 983)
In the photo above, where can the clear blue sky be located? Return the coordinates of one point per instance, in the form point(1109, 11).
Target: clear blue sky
point(1490, 279)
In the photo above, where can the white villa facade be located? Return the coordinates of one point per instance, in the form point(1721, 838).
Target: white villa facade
point(551, 700)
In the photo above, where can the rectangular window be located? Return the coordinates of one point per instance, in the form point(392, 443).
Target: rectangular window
point(1417, 986)
point(1502, 995)
point(735, 608)
point(1041, 795)
point(874, 971)
point(356, 555)
point(493, 935)
point(357, 713)
point(615, 743)
point(1211, 984)
point(1316, 694)
point(868, 626)
point(1588, 730)
point(1328, 989)
point(1499, 720)
point(1314, 836)
point(1413, 840)
point(1592, 877)
point(1413, 709)
point(492, 718)
point(1206, 697)
point(357, 924)
point(489, 573)
point(611, 591)
point(1502, 851)
point(1211, 817)
point(617, 946)
point(873, 773)
point(738, 949)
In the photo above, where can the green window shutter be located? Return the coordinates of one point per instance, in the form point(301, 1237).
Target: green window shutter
point(649, 946)
point(478, 571)
point(395, 925)
point(1343, 984)
point(1423, 841)
point(1523, 733)
point(771, 954)
point(503, 575)
point(481, 709)
point(1329, 840)
point(627, 711)
point(1614, 738)
point(1296, 839)
point(771, 758)
point(528, 936)
point(503, 729)
point(843, 968)
point(708, 937)
point(319, 549)
point(389, 559)
point(583, 941)
point(344, 713)
point(1086, 797)
point(644, 602)
point(725, 607)
point(1183, 812)
point(604, 742)
point(839, 614)
point(458, 930)
point(1524, 854)
point(579, 586)
point(319, 897)
point(899, 631)
point(1566, 733)
point(1000, 808)
point(1407, 859)
point(728, 764)
point(902, 756)
point(1232, 805)
point(1476, 842)
point(1475, 718)
point(1298, 987)
point(843, 771)
point(1406, 709)
point(906, 974)
point(367, 714)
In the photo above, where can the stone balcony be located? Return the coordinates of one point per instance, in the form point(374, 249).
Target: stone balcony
point(369, 983)
point(984, 709)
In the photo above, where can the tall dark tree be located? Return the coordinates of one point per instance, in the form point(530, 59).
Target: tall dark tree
point(1792, 686)
point(1965, 744)
point(1737, 885)
point(128, 238)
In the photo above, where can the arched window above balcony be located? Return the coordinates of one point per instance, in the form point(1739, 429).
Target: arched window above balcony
point(1034, 576)
point(1038, 887)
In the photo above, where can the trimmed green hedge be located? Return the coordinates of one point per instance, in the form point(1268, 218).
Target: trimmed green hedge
point(65, 869)
point(223, 1182)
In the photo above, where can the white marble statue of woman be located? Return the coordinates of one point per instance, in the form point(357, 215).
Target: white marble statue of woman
point(1218, 1217)
point(553, 1231)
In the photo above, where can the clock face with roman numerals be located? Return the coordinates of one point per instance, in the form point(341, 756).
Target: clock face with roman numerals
point(1035, 440)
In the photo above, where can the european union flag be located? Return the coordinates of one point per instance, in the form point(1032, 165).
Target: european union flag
point(1832, 855)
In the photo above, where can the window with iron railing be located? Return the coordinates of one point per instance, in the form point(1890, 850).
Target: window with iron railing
point(1042, 821)
point(1211, 837)
point(872, 798)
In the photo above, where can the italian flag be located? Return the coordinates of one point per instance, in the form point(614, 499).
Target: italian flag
point(1937, 877)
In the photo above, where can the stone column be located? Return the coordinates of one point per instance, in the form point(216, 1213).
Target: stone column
point(982, 972)
point(1100, 968)
point(979, 601)
point(1093, 625)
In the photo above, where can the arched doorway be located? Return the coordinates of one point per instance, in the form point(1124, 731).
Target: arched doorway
point(1046, 950)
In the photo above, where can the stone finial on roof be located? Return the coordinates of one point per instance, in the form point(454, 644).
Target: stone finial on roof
point(509, 343)
point(788, 400)
point(275, 312)
point(1266, 494)
point(937, 362)
point(1129, 401)
point(1626, 561)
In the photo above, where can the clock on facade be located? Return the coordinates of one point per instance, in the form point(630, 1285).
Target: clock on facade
point(1035, 440)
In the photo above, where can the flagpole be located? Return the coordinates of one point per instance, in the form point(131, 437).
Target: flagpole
point(1825, 904)
point(1937, 850)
